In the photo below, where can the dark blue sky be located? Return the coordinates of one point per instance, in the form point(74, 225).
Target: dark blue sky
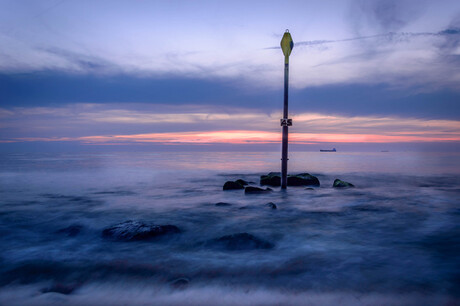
point(59, 89)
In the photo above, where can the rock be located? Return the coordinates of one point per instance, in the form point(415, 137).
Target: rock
point(271, 205)
point(241, 241)
point(242, 182)
point(136, 231)
point(223, 204)
point(309, 188)
point(180, 283)
point(230, 185)
point(71, 231)
point(341, 184)
point(302, 179)
point(256, 190)
point(272, 179)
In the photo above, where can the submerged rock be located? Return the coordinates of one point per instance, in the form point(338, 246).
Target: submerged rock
point(302, 179)
point(180, 283)
point(242, 182)
point(223, 204)
point(71, 231)
point(240, 242)
point(136, 231)
point(341, 184)
point(256, 190)
point(271, 179)
point(231, 185)
point(271, 205)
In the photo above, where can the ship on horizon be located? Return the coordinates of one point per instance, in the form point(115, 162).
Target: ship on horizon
point(333, 150)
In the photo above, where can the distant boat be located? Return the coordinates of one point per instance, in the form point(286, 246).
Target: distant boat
point(333, 150)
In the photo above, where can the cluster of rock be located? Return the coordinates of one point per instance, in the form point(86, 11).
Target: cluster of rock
point(242, 184)
point(273, 179)
point(301, 179)
point(138, 231)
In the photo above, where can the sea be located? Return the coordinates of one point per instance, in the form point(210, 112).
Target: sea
point(393, 239)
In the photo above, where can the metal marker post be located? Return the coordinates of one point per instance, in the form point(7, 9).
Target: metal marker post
point(286, 45)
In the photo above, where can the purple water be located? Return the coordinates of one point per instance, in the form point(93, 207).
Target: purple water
point(394, 239)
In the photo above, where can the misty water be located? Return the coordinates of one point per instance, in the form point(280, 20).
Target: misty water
point(394, 239)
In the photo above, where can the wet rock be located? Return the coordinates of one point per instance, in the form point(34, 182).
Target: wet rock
point(223, 204)
point(230, 185)
point(302, 179)
point(256, 190)
point(71, 231)
point(271, 205)
point(180, 283)
point(271, 179)
point(240, 242)
point(342, 184)
point(137, 231)
point(242, 182)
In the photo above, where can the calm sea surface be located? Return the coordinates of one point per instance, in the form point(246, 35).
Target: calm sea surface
point(394, 239)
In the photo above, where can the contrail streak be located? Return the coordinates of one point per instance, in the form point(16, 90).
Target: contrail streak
point(390, 35)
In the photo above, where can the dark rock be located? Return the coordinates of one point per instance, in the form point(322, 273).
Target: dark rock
point(342, 184)
point(242, 182)
point(223, 204)
point(241, 241)
point(136, 231)
point(309, 188)
point(302, 179)
point(180, 283)
point(271, 205)
point(256, 190)
point(71, 231)
point(59, 288)
point(271, 179)
point(230, 185)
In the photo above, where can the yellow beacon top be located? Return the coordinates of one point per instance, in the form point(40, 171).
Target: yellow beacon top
point(287, 44)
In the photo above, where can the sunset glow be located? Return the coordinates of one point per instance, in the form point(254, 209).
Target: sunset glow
point(246, 137)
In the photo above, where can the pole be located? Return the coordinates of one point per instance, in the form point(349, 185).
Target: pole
point(286, 45)
point(284, 153)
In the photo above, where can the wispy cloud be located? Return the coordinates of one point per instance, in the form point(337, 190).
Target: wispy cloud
point(378, 42)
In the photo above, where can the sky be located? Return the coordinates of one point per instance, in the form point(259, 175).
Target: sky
point(205, 75)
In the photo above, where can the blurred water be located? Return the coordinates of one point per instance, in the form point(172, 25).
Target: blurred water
point(396, 234)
